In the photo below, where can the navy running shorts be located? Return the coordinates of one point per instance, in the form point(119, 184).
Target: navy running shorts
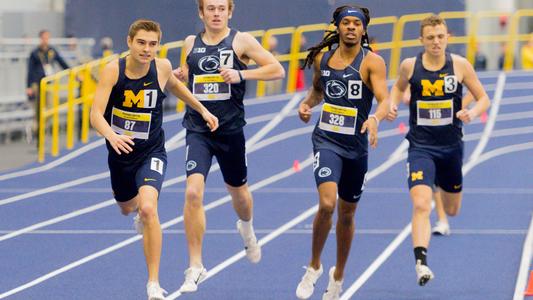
point(440, 166)
point(229, 149)
point(349, 174)
point(128, 177)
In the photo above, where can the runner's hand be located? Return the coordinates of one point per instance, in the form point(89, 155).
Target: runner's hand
point(212, 121)
point(465, 115)
point(304, 111)
point(371, 126)
point(393, 112)
point(121, 143)
point(230, 75)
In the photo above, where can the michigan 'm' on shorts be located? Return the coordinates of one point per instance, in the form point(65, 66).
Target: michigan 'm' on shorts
point(229, 149)
point(349, 174)
point(436, 166)
point(128, 177)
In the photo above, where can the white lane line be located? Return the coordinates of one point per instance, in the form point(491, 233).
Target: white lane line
point(525, 263)
point(298, 219)
point(492, 119)
point(360, 231)
point(55, 188)
point(54, 163)
point(374, 266)
point(221, 201)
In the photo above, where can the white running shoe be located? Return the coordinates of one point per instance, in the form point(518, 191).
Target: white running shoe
point(306, 287)
point(441, 228)
point(193, 276)
point(252, 248)
point(423, 273)
point(154, 291)
point(334, 288)
point(138, 224)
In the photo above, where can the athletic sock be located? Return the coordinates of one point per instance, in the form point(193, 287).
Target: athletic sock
point(421, 254)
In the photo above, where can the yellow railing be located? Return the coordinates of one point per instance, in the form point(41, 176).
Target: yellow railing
point(71, 90)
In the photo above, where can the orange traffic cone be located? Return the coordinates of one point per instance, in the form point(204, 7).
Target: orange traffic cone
point(296, 166)
point(529, 289)
point(402, 128)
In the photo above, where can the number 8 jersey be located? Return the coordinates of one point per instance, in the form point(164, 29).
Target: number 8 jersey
point(435, 99)
point(347, 103)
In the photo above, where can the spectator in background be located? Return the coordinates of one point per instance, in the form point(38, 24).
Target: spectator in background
point(106, 47)
point(40, 65)
point(527, 54)
point(480, 60)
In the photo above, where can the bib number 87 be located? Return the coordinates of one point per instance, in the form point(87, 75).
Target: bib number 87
point(336, 120)
point(128, 125)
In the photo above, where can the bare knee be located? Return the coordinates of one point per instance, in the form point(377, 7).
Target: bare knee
point(193, 197)
point(451, 203)
point(422, 205)
point(346, 213)
point(326, 206)
point(147, 211)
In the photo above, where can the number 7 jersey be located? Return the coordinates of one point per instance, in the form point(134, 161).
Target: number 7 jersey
point(347, 103)
point(436, 97)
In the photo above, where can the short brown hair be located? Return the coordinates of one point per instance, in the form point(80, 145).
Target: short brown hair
point(432, 20)
point(146, 25)
point(231, 5)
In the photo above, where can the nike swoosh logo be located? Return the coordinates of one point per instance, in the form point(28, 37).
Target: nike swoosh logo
point(346, 75)
point(220, 49)
point(457, 186)
point(147, 84)
point(149, 179)
point(443, 75)
point(197, 279)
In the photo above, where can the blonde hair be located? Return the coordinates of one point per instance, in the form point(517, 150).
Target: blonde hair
point(231, 5)
point(432, 20)
point(146, 25)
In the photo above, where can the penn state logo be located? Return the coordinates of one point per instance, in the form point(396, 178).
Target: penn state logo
point(209, 64)
point(191, 164)
point(335, 89)
point(324, 172)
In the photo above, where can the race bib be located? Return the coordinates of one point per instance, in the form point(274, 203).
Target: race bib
point(434, 113)
point(338, 119)
point(210, 87)
point(134, 124)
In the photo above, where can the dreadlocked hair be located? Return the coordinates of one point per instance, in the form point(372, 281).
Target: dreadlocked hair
point(332, 36)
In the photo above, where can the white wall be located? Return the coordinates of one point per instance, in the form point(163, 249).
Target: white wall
point(32, 5)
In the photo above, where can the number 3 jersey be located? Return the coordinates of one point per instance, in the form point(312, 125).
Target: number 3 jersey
point(347, 103)
point(223, 100)
point(435, 99)
point(135, 108)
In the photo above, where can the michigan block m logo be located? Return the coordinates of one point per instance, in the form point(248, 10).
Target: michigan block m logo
point(417, 176)
point(432, 89)
point(143, 99)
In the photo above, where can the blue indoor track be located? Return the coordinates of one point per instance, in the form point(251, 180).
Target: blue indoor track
point(62, 235)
